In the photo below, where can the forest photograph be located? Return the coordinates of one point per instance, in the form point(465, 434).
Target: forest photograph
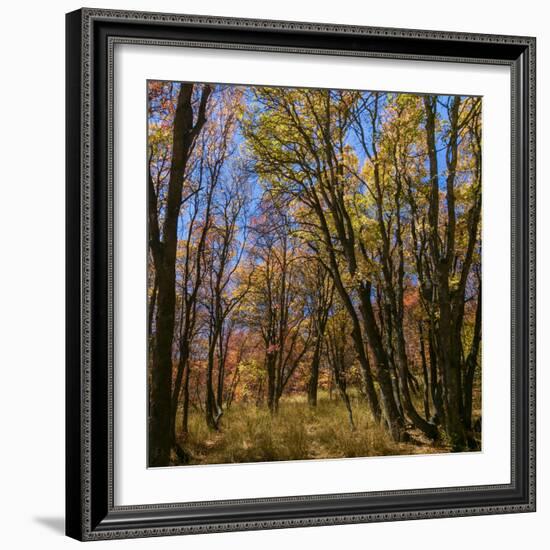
point(313, 273)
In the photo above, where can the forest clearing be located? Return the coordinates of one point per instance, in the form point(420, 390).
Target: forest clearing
point(314, 273)
point(297, 432)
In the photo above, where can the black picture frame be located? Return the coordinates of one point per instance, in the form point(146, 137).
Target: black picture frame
point(90, 510)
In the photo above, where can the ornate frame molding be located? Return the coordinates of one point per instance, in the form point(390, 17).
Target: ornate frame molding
point(91, 36)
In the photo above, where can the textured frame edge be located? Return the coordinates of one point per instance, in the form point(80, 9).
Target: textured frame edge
point(79, 520)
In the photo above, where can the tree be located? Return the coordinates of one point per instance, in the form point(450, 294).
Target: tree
point(187, 123)
point(453, 243)
point(339, 357)
point(353, 167)
point(387, 145)
point(298, 139)
point(225, 251)
point(276, 305)
point(319, 299)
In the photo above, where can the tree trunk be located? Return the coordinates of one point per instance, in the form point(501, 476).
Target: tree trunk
point(176, 391)
point(271, 383)
point(393, 419)
point(164, 255)
point(470, 367)
point(429, 429)
point(442, 250)
point(314, 374)
point(341, 384)
point(151, 311)
point(213, 412)
point(424, 372)
point(185, 401)
point(222, 351)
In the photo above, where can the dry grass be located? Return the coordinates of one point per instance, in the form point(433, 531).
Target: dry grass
point(297, 432)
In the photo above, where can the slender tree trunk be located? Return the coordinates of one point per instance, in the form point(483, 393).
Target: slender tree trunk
point(424, 372)
point(426, 427)
point(176, 392)
point(341, 384)
point(222, 353)
point(233, 387)
point(314, 374)
point(435, 384)
point(271, 382)
point(213, 412)
point(185, 401)
point(367, 377)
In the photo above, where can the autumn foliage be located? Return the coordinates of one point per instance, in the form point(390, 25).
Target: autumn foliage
point(314, 279)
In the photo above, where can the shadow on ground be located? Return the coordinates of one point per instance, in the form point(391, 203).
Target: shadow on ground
point(56, 524)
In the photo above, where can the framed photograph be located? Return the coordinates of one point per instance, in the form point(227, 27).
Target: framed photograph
point(300, 274)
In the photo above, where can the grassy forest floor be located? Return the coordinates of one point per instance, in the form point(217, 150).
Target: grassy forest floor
point(250, 434)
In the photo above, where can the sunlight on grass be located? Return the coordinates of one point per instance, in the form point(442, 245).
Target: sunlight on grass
point(250, 434)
